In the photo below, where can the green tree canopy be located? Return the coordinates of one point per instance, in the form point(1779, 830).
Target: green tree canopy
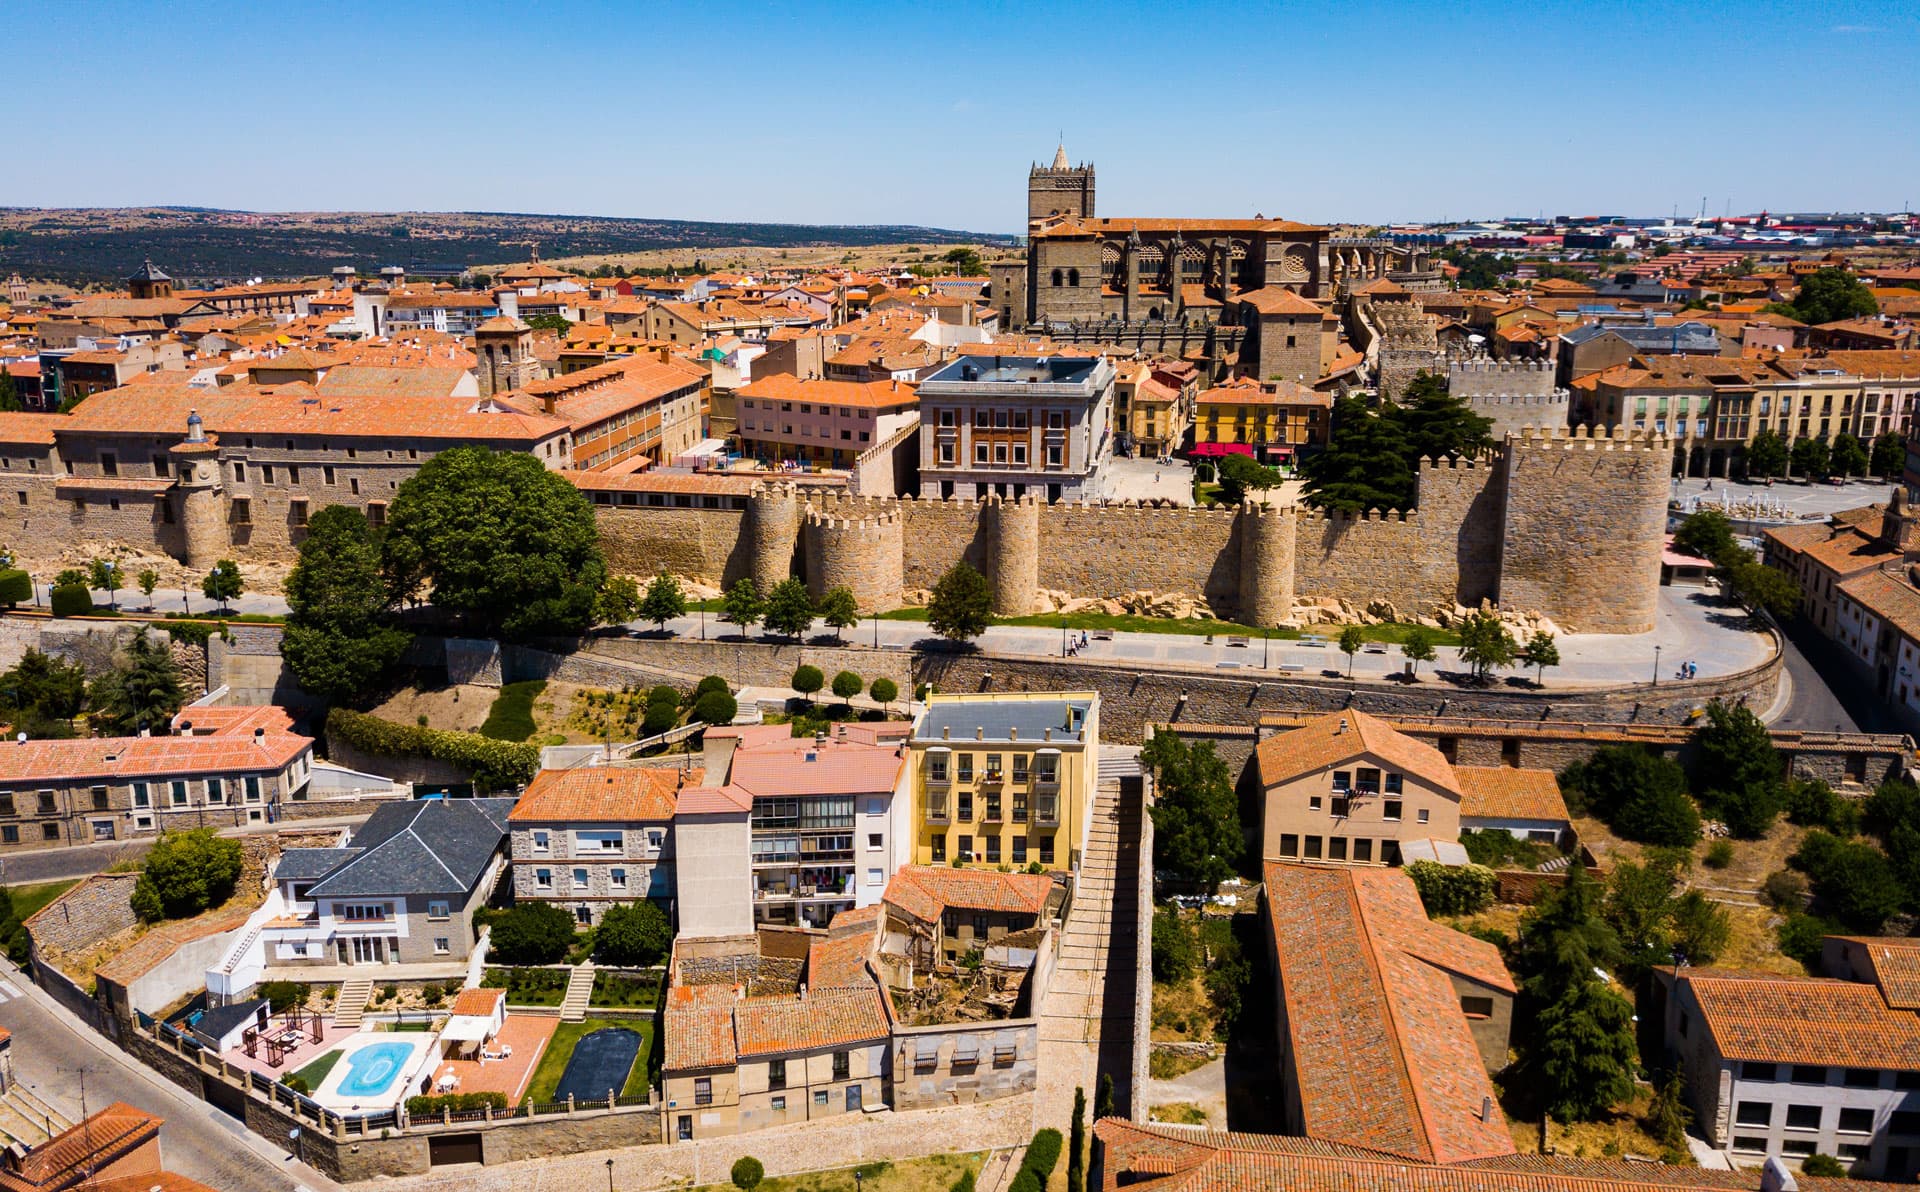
point(633, 934)
point(884, 691)
point(1485, 643)
point(505, 544)
point(1364, 465)
point(184, 874)
point(1849, 456)
point(1759, 588)
point(1811, 456)
point(1580, 1052)
point(846, 685)
point(531, 933)
point(1640, 794)
point(1542, 652)
point(1767, 454)
point(742, 605)
point(839, 610)
point(41, 687)
point(663, 601)
point(1196, 815)
point(1417, 646)
point(747, 1173)
point(1828, 296)
point(962, 604)
point(143, 689)
point(808, 679)
point(617, 601)
point(1889, 453)
point(1707, 535)
point(340, 635)
point(789, 611)
point(1240, 474)
point(224, 584)
point(1740, 774)
point(1435, 424)
point(1351, 641)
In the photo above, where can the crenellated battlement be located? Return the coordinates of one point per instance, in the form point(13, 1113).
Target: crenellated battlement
point(1617, 438)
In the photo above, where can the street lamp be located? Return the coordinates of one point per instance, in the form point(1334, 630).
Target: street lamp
point(609, 1175)
point(1656, 665)
point(1063, 636)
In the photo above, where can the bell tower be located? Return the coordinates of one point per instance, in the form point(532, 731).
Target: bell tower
point(505, 348)
point(1059, 190)
point(149, 282)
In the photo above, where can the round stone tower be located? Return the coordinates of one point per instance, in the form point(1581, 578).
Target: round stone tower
point(862, 553)
point(202, 505)
point(773, 534)
point(1266, 564)
point(1013, 553)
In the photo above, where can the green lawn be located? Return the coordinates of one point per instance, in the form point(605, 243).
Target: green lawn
point(1133, 623)
point(316, 1071)
point(933, 1173)
point(511, 717)
point(28, 899)
point(553, 1062)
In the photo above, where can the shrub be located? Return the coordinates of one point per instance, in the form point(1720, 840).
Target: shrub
point(432, 993)
point(389, 992)
point(457, 1102)
point(16, 587)
point(747, 1173)
point(716, 707)
point(534, 933)
point(1452, 889)
point(846, 685)
point(72, 600)
point(1801, 934)
point(808, 680)
point(965, 1182)
point(493, 763)
point(663, 694)
point(282, 994)
point(1784, 890)
point(186, 873)
point(1043, 1153)
point(884, 691)
point(296, 1082)
point(1640, 794)
point(632, 934)
point(1814, 804)
point(659, 718)
point(1497, 848)
point(711, 683)
point(1851, 878)
point(1819, 1164)
point(1719, 855)
point(511, 716)
point(1173, 952)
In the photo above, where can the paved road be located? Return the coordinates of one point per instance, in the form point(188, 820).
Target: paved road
point(54, 1056)
point(56, 864)
point(1817, 677)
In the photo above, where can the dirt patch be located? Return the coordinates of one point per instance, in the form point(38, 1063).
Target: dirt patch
point(1619, 1135)
point(459, 708)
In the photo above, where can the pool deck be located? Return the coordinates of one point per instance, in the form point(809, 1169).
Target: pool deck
point(528, 1035)
point(401, 1085)
point(331, 1037)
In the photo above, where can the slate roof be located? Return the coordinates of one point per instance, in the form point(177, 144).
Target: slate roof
point(215, 1023)
point(422, 846)
point(302, 864)
point(997, 719)
point(1384, 1057)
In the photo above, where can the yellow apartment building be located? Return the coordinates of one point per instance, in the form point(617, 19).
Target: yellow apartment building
point(1004, 778)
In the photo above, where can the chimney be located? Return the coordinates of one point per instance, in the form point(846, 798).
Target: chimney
point(1342, 728)
point(547, 402)
point(1777, 1177)
point(979, 733)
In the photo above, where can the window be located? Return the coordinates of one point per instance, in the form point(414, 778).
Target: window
point(617, 878)
point(1342, 806)
point(216, 790)
point(842, 1064)
point(776, 1074)
point(1390, 810)
point(1862, 1078)
point(1367, 780)
point(239, 472)
point(177, 796)
point(583, 916)
point(437, 910)
point(1342, 780)
point(1799, 1146)
point(266, 473)
point(1313, 848)
point(541, 841)
point(1019, 850)
point(100, 798)
point(1856, 1121)
point(874, 839)
point(47, 805)
point(1753, 1071)
point(441, 945)
point(993, 850)
point(966, 849)
point(1809, 1074)
point(820, 1097)
point(1803, 1117)
point(779, 1104)
point(580, 878)
point(1363, 850)
point(1853, 1152)
point(876, 877)
point(1393, 783)
point(369, 912)
point(9, 833)
point(1742, 1142)
point(1753, 1113)
point(965, 769)
point(1477, 1007)
point(1313, 802)
point(940, 847)
point(543, 879)
point(1336, 848)
point(253, 790)
point(1422, 817)
point(1046, 850)
point(703, 1090)
point(140, 798)
point(1904, 1121)
point(297, 511)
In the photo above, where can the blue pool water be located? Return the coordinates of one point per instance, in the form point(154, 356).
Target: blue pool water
point(372, 1070)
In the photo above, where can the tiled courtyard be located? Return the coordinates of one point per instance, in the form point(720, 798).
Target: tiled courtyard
point(331, 1037)
point(527, 1035)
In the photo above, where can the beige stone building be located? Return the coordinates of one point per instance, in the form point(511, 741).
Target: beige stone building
point(591, 837)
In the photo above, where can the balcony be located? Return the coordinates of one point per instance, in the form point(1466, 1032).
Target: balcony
point(1046, 813)
point(992, 777)
point(937, 812)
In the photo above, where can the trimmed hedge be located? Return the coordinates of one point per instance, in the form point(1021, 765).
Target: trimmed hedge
point(16, 586)
point(1453, 889)
point(72, 600)
point(494, 763)
point(1043, 1153)
point(428, 1106)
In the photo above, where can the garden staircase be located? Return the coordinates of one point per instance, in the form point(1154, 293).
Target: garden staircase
point(351, 1006)
point(573, 1007)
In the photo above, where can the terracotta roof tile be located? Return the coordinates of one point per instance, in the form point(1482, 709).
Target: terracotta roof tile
point(1804, 1020)
point(1504, 792)
point(1341, 736)
point(802, 766)
point(603, 794)
point(102, 1138)
point(478, 1003)
point(924, 891)
point(699, 1027)
point(819, 1019)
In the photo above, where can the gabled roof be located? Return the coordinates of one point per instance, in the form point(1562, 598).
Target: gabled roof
point(1341, 737)
point(603, 794)
point(103, 1138)
point(803, 766)
point(925, 891)
point(816, 1020)
point(1803, 1020)
point(1505, 792)
point(1383, 1055)
point(422, 846)
point(1278, 300)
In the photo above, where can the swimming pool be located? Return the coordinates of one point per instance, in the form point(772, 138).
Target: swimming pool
point(372, 1070)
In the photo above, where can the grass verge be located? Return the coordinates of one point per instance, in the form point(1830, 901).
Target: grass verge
point(567, 1036)
point(29, 899)
point(1134, 623)
point(316, 1071)
point(932, 1173)
point(511, 717)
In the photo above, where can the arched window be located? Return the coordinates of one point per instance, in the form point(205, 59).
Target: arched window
point(1056, 277)
point(1073, 277)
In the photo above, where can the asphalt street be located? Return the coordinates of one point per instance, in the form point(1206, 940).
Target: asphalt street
point(75, 1070)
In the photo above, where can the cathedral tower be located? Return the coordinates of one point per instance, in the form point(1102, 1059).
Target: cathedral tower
point(1059, 190)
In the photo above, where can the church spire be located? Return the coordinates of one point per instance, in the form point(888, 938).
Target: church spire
point(1060, 157)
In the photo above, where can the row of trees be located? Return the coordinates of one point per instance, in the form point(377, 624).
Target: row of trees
point(1745, 580)
point(787, 609)
point(809, 679)
point(1768, 455)
point(631, 934)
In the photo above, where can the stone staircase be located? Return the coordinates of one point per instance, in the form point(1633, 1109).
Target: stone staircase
point(26, 1119)
point(351, 1005)
point(573, 1007)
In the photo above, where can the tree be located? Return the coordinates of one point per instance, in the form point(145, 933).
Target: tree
point(1740, 773)
point(1639, 908)
point(558, 324)
point(10, 395)
point(148, 579)
point(1701, 928)
point(884, 691)
point(1581, 1050)
point(965, 261)
point(1436, 424)
point(1759, 589)
point(1485, 643)
point(142, 691)
point(1077, 1144)
point(1103, 1097)
point(42, 688)
point(633, 934)
point(1542, 652)
point(1706, 535)
point(1363, 465)
point(1851, 878)
point(1173, 949)
point(1668, 1114)
point(839, 610)
point(663, 601)
point(16, 587)
point(531, 933)
point(962, 604)
point(1889, 453)
point(340, 635)
point(747, 1173)
point(1417, 646)
point(715, 707)
point(1351, 639)
point(846, 685)
point(1640, 794)
point(70, 600)
point(1240, 473)
point(1827, 296)
point(617, 602)
point(789, 610)
point(742, 604)
point(808, 680)
point(506, 545)
point(103, 575)
point(1849, 456)
point(1810, 456)
point(224, 583)
point(1196, 816)
point(184, 874)
point(1767, 455)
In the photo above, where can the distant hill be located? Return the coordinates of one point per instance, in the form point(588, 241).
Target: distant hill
point(80, 246)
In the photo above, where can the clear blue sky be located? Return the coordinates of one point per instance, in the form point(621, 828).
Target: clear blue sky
point(927, 113)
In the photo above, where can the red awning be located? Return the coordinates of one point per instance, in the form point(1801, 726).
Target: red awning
point(1205, 449)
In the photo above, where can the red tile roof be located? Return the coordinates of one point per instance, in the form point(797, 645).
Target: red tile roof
point(297, 410)
point(699, 1027)
point(924, 891)
point(819, 1019)
point(802, 766)
point(478, 1003)
point(1384, 1057)
point(1803, 1020)
point(1341, 737)
point(1504, 792)
point(126, 759)
point(101, 1139)
point(603, 794)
